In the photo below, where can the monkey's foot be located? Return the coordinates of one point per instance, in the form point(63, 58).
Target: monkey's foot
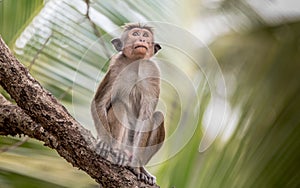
point(120, 157)
point(143, 175)
point(103, 149)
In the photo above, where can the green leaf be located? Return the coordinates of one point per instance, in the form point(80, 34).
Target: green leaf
point(15, 15)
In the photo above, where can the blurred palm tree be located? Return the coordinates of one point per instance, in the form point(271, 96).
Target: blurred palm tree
point(253, 142)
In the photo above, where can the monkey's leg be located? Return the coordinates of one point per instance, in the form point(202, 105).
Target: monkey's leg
point(149, 143)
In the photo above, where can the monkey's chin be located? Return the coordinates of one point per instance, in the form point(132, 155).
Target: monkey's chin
point(142, 57)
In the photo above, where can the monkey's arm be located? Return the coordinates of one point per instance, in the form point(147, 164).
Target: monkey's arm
point(101, 104)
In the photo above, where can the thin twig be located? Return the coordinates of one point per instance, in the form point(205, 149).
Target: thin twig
point(96, 31)
point(38, 52)
point(15, 145)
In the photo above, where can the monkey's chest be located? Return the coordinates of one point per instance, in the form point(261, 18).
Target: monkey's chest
point(137, 84)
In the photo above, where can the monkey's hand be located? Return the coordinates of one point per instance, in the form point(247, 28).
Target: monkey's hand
point(120, 157)
point(103, 149)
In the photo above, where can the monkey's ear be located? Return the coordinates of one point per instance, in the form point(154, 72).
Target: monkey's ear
point(117, 44)
point(156, 48)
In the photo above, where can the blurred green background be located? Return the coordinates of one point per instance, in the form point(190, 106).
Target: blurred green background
point(235, 122)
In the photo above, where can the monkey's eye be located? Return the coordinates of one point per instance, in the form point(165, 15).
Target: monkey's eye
point(135, 33)
point(145, 35)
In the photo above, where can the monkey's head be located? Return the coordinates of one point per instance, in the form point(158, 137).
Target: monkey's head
point(136, 42)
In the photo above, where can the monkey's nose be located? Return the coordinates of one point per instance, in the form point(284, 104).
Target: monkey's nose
point(142, 40)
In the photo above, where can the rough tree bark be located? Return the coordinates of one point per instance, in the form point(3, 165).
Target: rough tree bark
point(39, 115)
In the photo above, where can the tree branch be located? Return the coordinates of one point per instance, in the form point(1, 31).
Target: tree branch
point(39, 115)
point(13, 121)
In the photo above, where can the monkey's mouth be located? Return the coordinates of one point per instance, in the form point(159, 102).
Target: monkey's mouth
point(141, 46)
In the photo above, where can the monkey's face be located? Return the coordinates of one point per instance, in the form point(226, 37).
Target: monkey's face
point(138, 44)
